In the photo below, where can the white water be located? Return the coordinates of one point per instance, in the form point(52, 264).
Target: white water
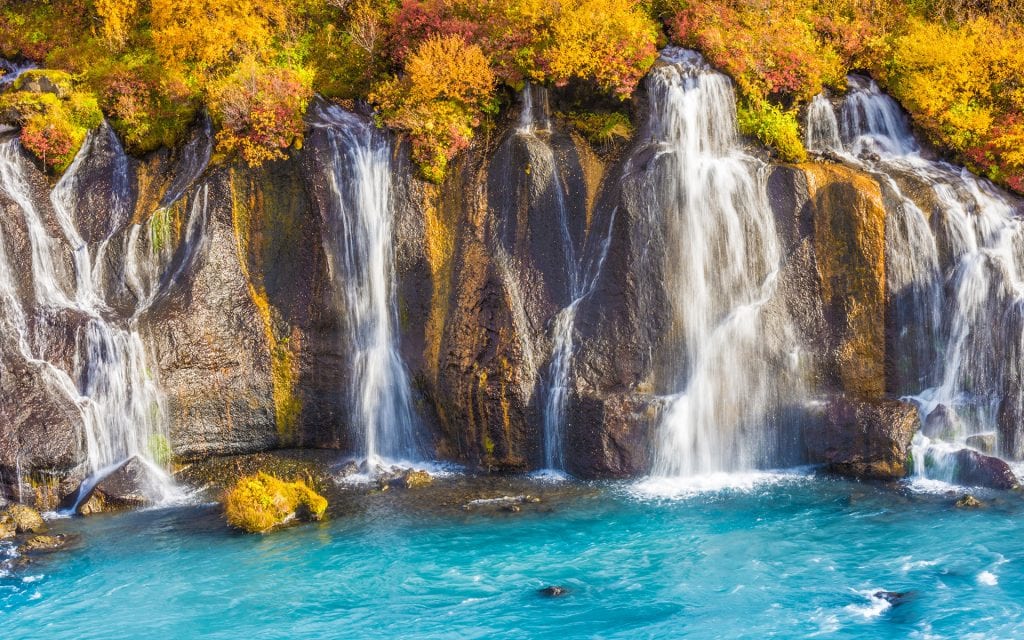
point(954, 274)
point(110, 380)
point(358, 243)
point(721, 270)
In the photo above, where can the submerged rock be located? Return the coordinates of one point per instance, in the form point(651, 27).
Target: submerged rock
point(25, 519)
point(45, 543)
point(554, 591)
point(864, 439)
point(261, 503)
point(502, 503)
point(969, 502)
point(893, 597)
point(974, 469)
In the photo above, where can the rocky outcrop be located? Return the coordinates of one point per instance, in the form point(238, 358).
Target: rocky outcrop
point(973, 469)
point(864, 439)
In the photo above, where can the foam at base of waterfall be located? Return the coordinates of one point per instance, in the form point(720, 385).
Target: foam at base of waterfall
point(681, 487)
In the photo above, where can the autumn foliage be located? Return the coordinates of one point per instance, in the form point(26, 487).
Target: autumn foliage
point(438, 71)
point(260, 111)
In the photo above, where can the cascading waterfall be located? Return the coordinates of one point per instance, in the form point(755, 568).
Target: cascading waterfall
point(110, 380)
point(581, 277)
point(721, 270)
point(954, 275)
point(358, 243)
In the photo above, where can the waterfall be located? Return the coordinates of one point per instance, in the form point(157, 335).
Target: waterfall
point(358, 243)
point(110, 380)
point(954, 278)
point(534, 128)
point(728, 374)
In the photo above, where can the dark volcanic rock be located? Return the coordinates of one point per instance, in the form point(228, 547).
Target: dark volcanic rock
point(974, 469)
point(864, 439)
point(553, 591)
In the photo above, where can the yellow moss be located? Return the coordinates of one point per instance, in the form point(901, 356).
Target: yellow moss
point(440, 245)
point(261, 502)
point(283, 365)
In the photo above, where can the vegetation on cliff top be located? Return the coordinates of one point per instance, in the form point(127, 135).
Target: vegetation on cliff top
point(439, 70)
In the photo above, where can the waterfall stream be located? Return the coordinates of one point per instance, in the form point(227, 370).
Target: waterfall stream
point(110, 380)
point(955, 253)
point(581, 276)
point(728, 376)
point(358, 243)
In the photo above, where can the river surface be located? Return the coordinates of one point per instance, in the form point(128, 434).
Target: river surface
point(769, 555)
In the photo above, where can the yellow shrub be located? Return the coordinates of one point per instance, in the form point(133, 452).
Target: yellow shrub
point(261, 502)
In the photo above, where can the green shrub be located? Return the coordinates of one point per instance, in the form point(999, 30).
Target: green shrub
point(776, 128)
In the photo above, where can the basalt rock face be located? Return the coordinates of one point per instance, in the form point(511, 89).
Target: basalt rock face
point(496, 257)
point(224, 270)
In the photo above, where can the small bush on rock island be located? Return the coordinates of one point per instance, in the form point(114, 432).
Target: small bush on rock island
point(261, 502)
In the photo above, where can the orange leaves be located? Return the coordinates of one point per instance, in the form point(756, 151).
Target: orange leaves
point(446, 87)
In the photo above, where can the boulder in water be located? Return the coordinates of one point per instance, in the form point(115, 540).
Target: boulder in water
point(974, 469)
point(893, 597)
point(969, 502)
point(983, 442)
point(120, 490)
point(405, 479)
point(45, 543)
point(261, 503)
point(25, 519)
point(863, 438)
point(554, 591)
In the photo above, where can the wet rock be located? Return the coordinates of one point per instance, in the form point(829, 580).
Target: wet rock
point(45, 544)
point(941, 424)
point(554, 591)
point(7, 526)
point(511, 504)
point(405, 479)
point(122, 489)
point(26, 519)
point(350, 468)
point(983, 442)
point(863, 439)
point(974, 469)
point(893, 597)
point(969, 502)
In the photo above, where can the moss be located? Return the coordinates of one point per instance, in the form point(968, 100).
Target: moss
point(45, 80)
point(159, 449)
point(283, 365)
point(776, 128)
point(602, 128)
point(261, 502)
point(160, 229)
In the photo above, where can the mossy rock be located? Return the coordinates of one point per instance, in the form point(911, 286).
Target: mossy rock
point(260, 503)
point(52, 81)
point(26, 519)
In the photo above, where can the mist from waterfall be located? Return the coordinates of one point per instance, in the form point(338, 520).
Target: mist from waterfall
point(728, 377)
point(954, 277)
point(110, 380)
point(358, 243)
